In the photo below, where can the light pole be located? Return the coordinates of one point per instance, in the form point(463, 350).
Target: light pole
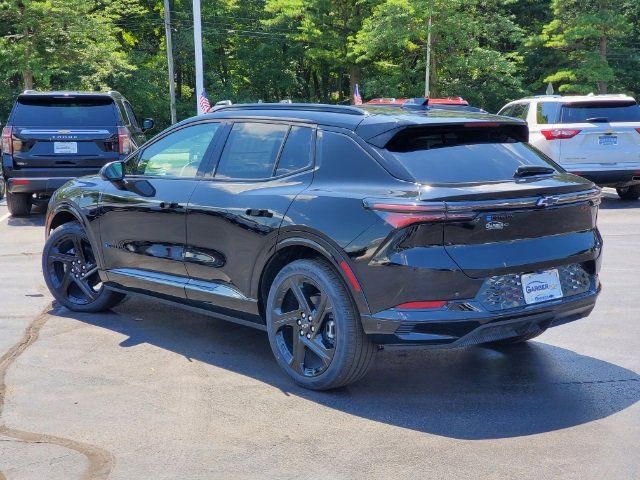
point(428, 60)
point(167, 33)
point(197, 42)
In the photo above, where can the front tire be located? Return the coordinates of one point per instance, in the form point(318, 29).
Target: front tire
point(71, 271)
point(314, 329)
point(19, 204)
point(629, 193)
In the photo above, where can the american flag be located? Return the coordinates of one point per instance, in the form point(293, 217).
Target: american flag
point(357, 99)
point(204, 102)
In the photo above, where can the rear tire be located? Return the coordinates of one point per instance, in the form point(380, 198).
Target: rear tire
point(517, 340)
point(629, 193)
point(19, 204)
point(314, 327)
point(71, 271)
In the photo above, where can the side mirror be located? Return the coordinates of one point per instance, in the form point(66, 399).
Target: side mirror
point(147, 124)
point(113, 172)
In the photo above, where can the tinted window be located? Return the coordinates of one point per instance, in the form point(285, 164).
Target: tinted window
point(547, 112)
point(64, 112)
point(297, 153)
point(179, 154)
point(506, 111)
point(251, 150)
point(464, 155)
point(132, 116)
point(519, 110)
point(603, 111)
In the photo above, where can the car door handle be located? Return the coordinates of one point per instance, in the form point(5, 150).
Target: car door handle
point(256, 212)
point(170, 206)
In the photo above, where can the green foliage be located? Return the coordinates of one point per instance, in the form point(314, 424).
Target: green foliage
point(488, 51)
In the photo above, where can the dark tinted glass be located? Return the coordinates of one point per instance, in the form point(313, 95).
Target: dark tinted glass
point(62, 112)
point(507, 111)
point(464, 155)
point(605, 111)
point(132, 116)
point(296, 153)
point(547, 112)
point(251, 150)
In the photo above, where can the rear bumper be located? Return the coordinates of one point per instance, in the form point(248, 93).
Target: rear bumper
point(36, 184)
point(608, 178)
point(451, 329)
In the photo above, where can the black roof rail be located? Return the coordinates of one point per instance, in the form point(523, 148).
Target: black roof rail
point(312, 107)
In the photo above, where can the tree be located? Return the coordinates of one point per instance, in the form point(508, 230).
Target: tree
point(473, 49)
point(60, 42)
point(583, 30)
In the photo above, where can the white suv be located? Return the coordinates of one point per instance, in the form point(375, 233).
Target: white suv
point(594, 136)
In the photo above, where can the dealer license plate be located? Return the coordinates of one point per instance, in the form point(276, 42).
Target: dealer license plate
point(65, 147)
point(541, 287)
point(607, 140)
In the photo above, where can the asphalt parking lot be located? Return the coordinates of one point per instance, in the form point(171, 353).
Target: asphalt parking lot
point(150, 391)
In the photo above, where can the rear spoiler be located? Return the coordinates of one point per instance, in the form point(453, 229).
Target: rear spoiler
point(517, 130)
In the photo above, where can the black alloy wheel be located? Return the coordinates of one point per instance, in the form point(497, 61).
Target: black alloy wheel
point(313, 327)
point(303, 325)
point(71, 271)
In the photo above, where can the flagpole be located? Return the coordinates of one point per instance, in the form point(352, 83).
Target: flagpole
point(197, 42)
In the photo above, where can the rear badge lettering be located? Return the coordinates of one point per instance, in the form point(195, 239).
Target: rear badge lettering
point(496, 222)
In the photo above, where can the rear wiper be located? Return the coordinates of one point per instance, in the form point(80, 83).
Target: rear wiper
point(597, 120)
point(532, 170)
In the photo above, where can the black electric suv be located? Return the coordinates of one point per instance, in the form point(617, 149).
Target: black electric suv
point(51, 137)
point(336, 229)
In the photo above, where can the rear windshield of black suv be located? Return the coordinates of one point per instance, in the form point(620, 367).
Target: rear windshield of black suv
point(63, 112)
point(459, 154)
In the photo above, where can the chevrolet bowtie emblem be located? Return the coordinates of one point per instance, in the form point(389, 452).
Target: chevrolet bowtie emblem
point(547, 201)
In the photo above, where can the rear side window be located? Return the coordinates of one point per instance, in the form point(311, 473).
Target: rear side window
point(64, 112)
point(459, 154)
point(547, 112)
point(297, 151)
point(587, 112)
point(251, 150)
point(519, 110)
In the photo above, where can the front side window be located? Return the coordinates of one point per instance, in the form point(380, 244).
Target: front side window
point(251, 150)
point(179, 154)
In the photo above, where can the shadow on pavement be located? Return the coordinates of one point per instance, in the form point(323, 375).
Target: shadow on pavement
point(472, 393)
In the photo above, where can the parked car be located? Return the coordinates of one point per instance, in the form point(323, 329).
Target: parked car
point(456, 103)
point(335, 230)
point(594, 136)
point(51, 137)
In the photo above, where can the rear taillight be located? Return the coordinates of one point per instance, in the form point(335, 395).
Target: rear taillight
point(559, 133)
point(7, 140)
point(401, 213)
point(638, 130)
point(124, 141)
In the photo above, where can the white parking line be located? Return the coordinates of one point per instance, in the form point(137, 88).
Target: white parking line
point(4, 217)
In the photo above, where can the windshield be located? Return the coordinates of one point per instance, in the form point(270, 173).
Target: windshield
point(603, 112)
point(64, 112)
